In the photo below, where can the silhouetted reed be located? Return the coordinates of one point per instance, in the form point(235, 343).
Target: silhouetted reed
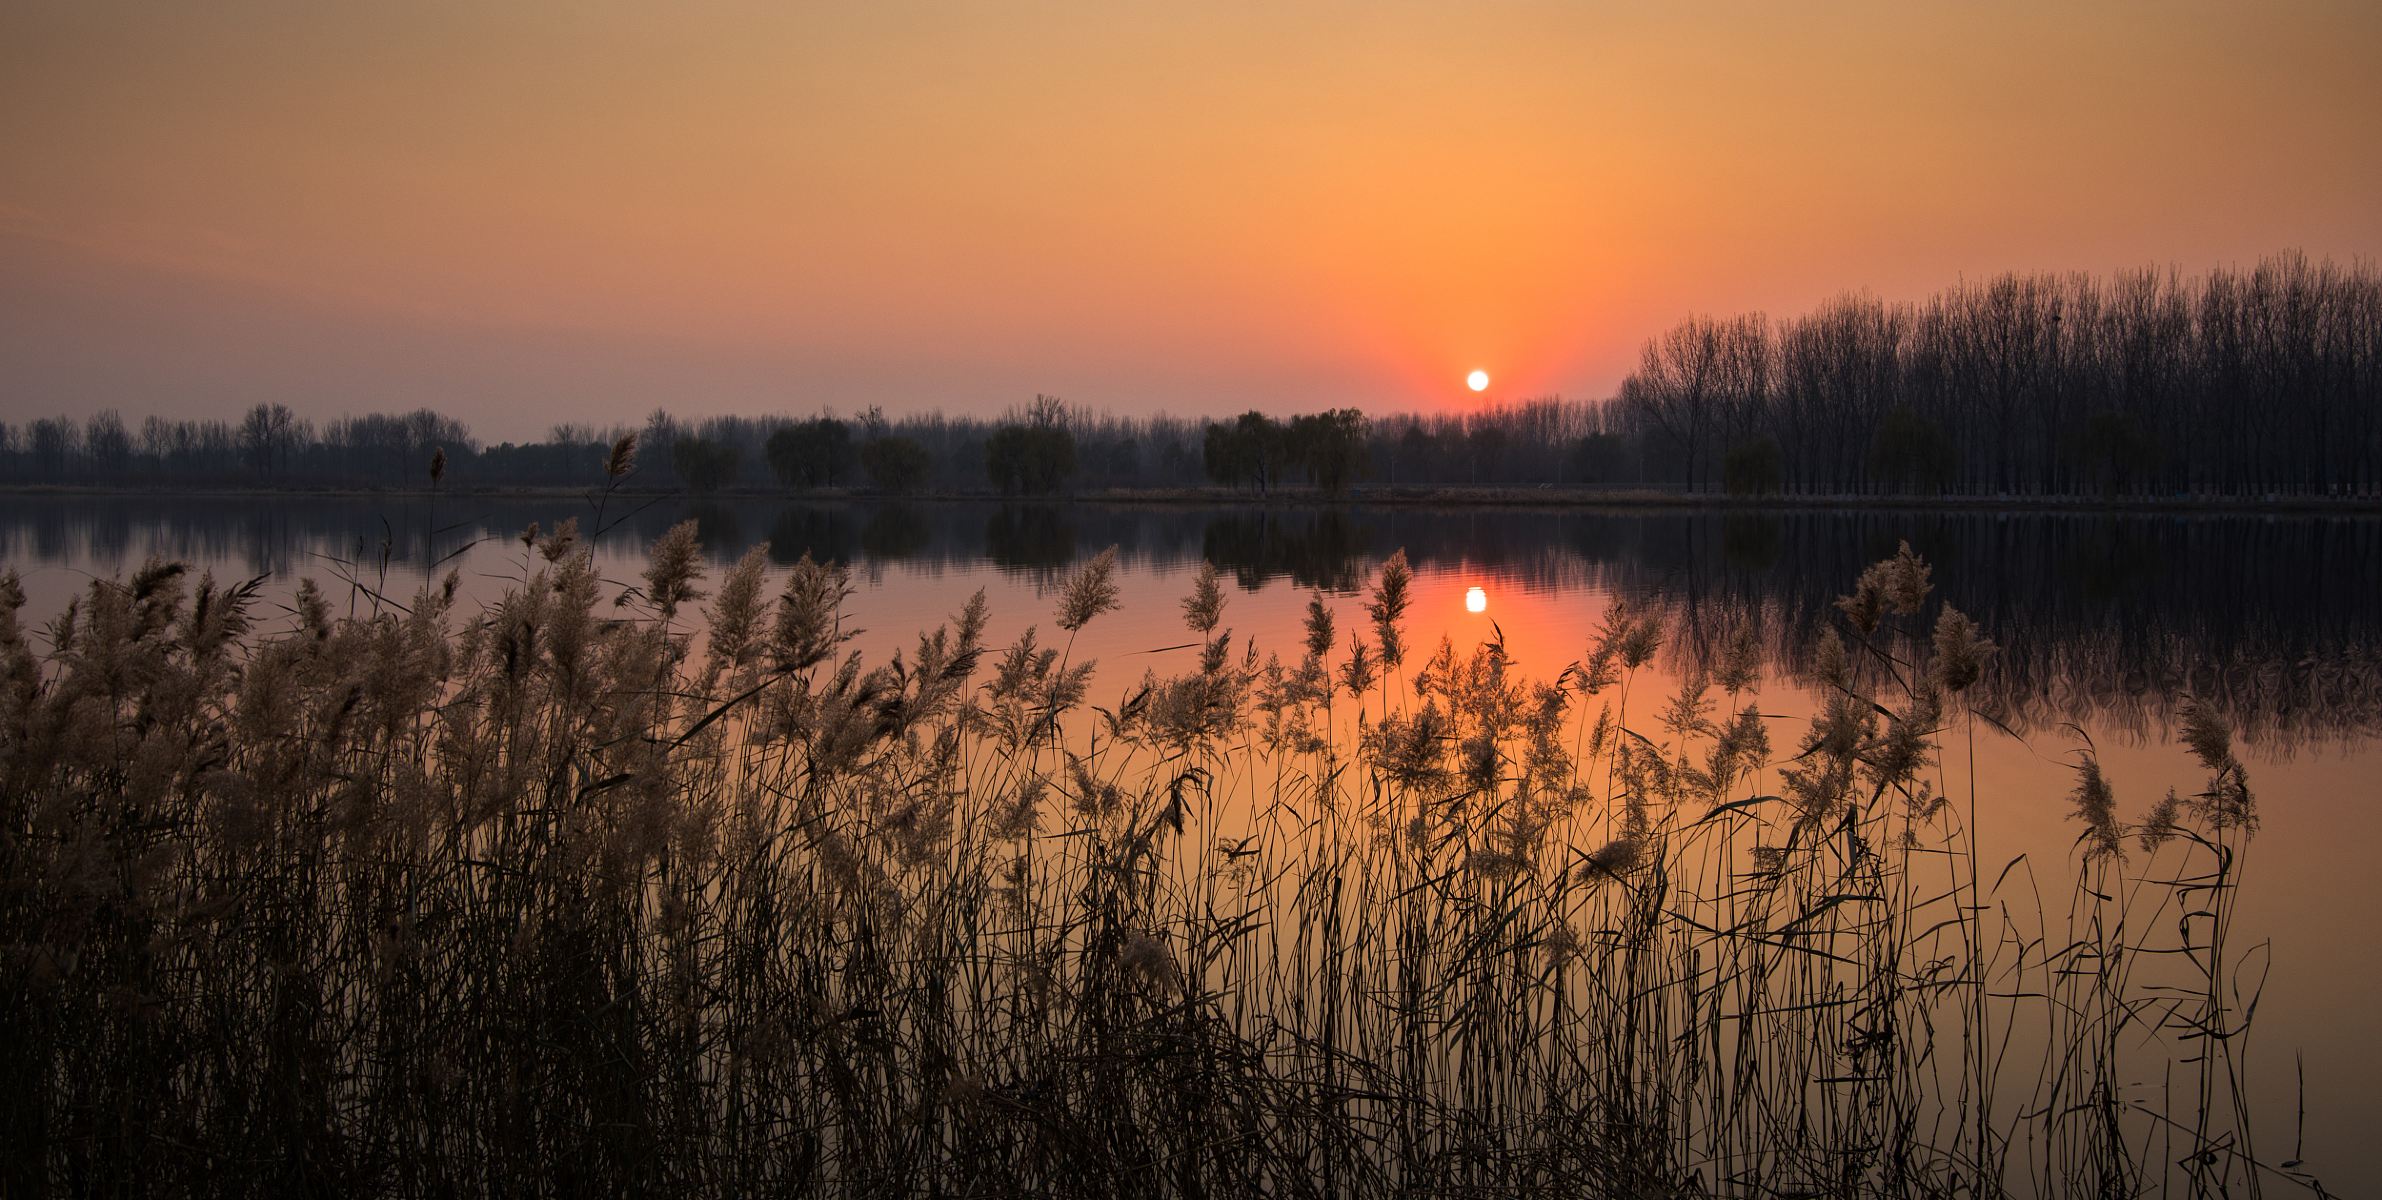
point(591, 892)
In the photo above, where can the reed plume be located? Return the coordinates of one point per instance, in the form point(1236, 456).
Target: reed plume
point(552, 899)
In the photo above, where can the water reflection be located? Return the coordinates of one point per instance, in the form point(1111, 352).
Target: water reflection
point(718, 524)
point(1326, 549)
point(825, 534)
point(895, 532)
point(1752, 541)
point(2114, 617)
point(1030, 539)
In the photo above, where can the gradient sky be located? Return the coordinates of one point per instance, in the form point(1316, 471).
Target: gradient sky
point(530, 212)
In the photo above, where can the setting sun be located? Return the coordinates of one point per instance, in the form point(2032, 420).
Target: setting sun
point(1475, 599)
point(1477, 381)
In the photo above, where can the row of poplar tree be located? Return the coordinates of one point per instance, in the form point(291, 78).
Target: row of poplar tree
point(2264, 381)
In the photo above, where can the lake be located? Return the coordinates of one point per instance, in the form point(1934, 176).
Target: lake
point(2104, 623)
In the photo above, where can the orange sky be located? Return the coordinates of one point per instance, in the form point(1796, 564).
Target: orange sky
point(528, 212)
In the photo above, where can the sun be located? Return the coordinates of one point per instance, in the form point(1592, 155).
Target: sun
point(1478, 381)
point(1476, 600)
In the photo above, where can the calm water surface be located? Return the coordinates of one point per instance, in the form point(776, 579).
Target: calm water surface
point(2105, 623)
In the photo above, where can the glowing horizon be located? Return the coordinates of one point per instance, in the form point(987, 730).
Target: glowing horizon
point(530, 213)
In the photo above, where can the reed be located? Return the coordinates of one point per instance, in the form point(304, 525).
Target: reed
point(591, 892)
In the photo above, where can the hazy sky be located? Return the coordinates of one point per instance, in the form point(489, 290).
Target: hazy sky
point(528, 212)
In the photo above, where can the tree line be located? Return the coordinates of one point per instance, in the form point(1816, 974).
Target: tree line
point(2264, 381)
point(1044, 447)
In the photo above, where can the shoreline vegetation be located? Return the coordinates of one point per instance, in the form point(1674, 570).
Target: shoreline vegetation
point(2259, 385)
point(1541, 496)
point(655, 885)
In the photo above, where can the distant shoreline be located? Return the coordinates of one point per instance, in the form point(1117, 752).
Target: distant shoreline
point(1370, 497)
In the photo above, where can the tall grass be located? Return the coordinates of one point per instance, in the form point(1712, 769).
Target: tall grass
point(620, 887)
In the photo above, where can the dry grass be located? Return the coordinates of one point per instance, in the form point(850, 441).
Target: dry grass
point(560, 898)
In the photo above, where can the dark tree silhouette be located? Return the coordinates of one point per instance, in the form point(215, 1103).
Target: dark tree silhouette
point(2243, 383)
point(1249, 450)
point(1033, 457)
point(811, 454)
point(704, 465)
point(1753, 468)
point(896, 464)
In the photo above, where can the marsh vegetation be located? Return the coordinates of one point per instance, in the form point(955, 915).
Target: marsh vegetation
point(655, 884)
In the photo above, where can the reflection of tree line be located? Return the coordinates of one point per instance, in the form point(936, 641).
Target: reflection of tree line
point(116, 538)
point(2127, 682)
point(2109, 616)
point(2110, 620)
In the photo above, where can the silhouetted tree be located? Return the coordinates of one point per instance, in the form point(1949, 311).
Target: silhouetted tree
point(107, 441)
point(1598, 458)
point(1250, 449)
point(53, 441)
point(810, 454)
point(895, 464)
point(1486, 447)
point(1911, 454)
point(1418, 450)
point(1331, 446)
point(1033, 458)
point(2245, 382)
point(1700, 379)
point(1753, 468)
point(2112, 451)
point(705, 465)
point(269, 434)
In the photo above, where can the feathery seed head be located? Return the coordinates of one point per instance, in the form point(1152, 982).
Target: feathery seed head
point(2206, 734)
point(673, 565)
point(1319, 626)
point(1830, 663)
point(1960, 650)
point(561, 542)
point(623, 458)
point(1091, 592)
point(809, 613)
point(1740, 662)
point(1203, 609)
point(736, 616)
point(1145, 958)
point(1361, 669)
point(1388, 607)
point(2096, 806)
point(2163, 821)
